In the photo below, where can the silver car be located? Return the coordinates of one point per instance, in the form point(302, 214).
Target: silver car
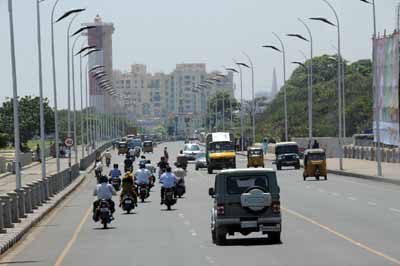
point(191, 150)
point(201, 161)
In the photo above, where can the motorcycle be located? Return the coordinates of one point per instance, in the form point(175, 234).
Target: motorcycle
point(128, 168)
point(169, 199)
point(128, 204)
point(180, 189)
point(98, 175)
point(116, 183)
point(152, 182)
point(104, 213)
point(108, 162)
point(143, 192)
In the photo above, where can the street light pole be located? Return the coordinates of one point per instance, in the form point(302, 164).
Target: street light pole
point(42, 120)
point(378, 114)
point(53, 59)
point(82, 116)
point(17, 143)
point(74, 99)
point(310, 90)
point(253, 98)
point(376, 96)
point(339, 81)
point(241, 106)
point(69, 88)
point(284, 84)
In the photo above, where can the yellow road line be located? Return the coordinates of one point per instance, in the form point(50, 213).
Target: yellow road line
point(68, 247)
point(37, 229)
point(340, 235)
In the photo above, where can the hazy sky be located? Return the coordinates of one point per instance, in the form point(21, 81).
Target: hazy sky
point(162, 33)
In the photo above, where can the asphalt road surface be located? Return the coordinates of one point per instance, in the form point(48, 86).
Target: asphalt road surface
point(342, 221)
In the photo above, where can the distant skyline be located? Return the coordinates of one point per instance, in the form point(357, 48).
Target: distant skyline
point(162, 34)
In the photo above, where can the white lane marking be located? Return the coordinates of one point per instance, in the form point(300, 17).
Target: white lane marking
point(308, 187)
point(321, 190)
point(370, 203)
point(395, 210)
point(186, 222)
point(181, 215)
point(352, 198)
point(335, 194)
point(193, 232)
point(210, 260)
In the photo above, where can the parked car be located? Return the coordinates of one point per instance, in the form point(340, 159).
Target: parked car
point(201, 161)
point(191, 150)
point(246, 201)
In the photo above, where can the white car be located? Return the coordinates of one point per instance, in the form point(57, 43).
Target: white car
point(191, 150)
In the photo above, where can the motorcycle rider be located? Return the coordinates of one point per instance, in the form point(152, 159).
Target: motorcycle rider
point(166, 155)
point(162, 165)
point(98, 169)
point(142, 175)
point(167, 180)
point(103, 191)
point(142, 160)
point(128, 187)
point(128, 164)
point(115, 173)
point(108, 156)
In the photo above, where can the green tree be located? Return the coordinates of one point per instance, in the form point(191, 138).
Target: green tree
point(358, 95)
point(29, 118)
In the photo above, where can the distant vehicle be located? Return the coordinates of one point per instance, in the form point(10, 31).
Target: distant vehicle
point(255, 157)
point(133, 143)
point(246, 201)
point(287, 154)
point(122, 147)
point(315, 164)
point(148, 146)
point(201, 161)
point(190, 150)
point(220, 151)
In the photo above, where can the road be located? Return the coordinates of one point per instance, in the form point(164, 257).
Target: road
point(342, 221)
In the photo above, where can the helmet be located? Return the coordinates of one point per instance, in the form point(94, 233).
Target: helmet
point(142, 165)
point(103, 179)
point(115, 165)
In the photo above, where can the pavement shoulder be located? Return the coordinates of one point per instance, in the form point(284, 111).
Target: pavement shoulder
point(15, 234)
point(348, 173)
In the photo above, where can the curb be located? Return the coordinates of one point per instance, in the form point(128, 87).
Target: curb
point(14, 237)
point(366, 177)
point(355, 175)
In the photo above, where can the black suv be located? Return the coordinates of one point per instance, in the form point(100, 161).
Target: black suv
point(287, 154)
point(246, 201)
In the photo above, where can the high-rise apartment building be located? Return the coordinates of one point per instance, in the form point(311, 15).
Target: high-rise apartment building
point(101, 37)
point(170, 99)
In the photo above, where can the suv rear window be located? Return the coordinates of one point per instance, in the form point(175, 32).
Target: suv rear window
point(238, 185)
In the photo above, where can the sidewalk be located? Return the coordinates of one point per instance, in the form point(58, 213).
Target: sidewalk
point(357, 168)
point(32, 172)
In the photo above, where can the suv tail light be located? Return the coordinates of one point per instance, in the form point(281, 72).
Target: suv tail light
point(276, 206)
point(220, 209)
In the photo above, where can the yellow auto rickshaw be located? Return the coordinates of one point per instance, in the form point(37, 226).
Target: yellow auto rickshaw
point(315, 164)
point(255, 157)
point(148, 146)
point(122, 147)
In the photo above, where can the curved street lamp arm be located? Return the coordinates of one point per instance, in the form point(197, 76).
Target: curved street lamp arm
point(52, 11)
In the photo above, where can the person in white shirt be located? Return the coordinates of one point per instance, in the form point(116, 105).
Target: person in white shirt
point(167, 180)
point(142, 175)
point(98, 169)
point(103, 191)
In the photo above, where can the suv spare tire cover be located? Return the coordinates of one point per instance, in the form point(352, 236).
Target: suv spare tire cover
point(255, 199)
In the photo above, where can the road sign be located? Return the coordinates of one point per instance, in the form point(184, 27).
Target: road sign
point(69, 142)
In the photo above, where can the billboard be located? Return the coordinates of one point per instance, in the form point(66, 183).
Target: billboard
point(386, 81)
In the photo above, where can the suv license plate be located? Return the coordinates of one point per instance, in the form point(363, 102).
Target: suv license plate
point(265, 228)
point(128, 201)
point(248, 224)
